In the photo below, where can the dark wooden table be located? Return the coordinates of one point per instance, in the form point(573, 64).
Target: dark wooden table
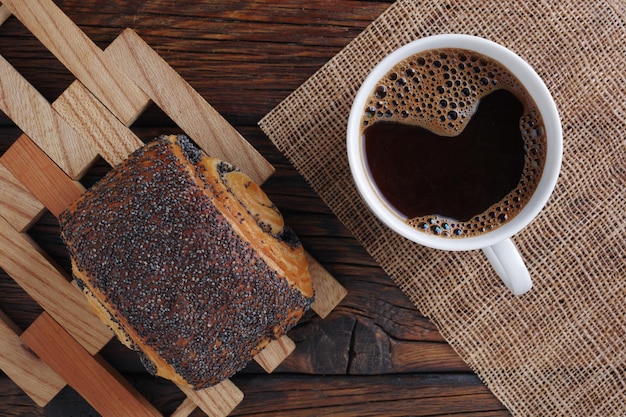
point(375, 354)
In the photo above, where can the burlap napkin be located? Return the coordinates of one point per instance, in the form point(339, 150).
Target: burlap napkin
point(560, 349)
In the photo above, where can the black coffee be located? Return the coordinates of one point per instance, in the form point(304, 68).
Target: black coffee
point(453, 142)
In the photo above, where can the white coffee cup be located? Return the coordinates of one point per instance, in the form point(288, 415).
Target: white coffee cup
point(496, 244)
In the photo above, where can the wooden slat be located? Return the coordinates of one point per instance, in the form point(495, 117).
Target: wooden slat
point(86, 374)
point(96, 124)
point(50, 288)
point(185, 106)
point(216, 401)
point(43, 178)
point(18, 205)
point(274, 353)
point(80, 55)
point(328, 292)
point(19, 100)
point(29, 372)
point(88, 116)
point(5, 13)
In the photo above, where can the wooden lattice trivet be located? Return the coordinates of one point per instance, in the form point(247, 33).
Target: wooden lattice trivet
point(40, 171)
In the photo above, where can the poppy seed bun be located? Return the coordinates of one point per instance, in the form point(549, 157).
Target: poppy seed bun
point(187, 260)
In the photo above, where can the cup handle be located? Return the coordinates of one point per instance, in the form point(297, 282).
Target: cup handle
point(508, 263)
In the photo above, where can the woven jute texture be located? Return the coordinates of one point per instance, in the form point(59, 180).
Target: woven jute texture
point(561, 348)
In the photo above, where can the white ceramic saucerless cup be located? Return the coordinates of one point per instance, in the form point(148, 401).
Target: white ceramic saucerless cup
point(496, 244)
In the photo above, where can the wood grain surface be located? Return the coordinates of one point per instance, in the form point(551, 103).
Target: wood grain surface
point(374, 354)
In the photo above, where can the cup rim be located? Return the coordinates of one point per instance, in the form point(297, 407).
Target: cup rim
point(537, 90)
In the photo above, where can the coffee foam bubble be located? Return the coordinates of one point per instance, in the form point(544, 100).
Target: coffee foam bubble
point(440, 90)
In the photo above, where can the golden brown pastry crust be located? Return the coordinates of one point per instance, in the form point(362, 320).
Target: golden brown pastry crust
point(187, 260)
